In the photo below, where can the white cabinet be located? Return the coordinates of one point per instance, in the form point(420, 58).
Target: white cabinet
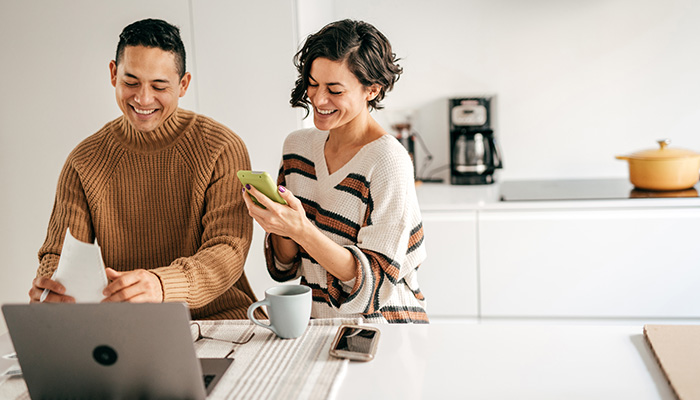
point(448, 277)
point(590, 263)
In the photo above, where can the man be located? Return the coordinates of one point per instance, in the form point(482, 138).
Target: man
point(157, 188)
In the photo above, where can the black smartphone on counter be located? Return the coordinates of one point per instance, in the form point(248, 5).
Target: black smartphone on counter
point(355, 342)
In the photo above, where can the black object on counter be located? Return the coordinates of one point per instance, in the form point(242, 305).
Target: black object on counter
point(474, 153)
point(582, 189)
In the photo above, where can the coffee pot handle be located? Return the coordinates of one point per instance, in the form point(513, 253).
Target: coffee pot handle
point(497, 161)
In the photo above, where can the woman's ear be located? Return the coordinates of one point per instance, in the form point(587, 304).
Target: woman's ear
point(373, 92)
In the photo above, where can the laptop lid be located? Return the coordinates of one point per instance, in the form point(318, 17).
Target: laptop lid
point(109, 350)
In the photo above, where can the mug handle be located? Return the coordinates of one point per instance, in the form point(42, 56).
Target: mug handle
point(251, 317)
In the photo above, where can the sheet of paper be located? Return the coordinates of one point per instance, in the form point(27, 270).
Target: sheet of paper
point(81, 270)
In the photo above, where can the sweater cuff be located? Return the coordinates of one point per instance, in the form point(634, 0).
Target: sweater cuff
point(284, 267)
point(174, 283)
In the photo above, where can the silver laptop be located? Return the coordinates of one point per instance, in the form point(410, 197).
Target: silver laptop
point(111, 350)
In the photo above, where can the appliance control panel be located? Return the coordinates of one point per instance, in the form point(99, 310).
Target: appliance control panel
point(469, 113)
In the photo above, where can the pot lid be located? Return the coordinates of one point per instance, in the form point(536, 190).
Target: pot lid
point(663, 152)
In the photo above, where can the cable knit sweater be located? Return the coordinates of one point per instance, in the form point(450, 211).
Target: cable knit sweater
point(167, 201)
point(370, 207)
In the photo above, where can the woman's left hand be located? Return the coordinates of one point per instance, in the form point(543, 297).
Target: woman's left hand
point(283, 220)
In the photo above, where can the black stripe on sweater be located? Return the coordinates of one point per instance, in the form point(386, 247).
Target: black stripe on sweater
point(346, 185)
point(313, 210)
point(291, 158)
point(418, 243)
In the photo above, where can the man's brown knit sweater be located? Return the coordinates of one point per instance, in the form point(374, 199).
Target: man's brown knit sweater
point(168, 201)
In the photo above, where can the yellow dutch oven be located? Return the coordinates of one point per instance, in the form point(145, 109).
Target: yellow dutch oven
point(663, 168)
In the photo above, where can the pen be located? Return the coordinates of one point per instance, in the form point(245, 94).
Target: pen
point(46, 292)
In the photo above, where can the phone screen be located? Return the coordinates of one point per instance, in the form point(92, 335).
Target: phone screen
point(356, 340)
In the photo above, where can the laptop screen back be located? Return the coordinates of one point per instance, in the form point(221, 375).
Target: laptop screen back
point(110, 350)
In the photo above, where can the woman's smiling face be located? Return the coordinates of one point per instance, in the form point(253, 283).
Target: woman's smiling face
point(337, 97)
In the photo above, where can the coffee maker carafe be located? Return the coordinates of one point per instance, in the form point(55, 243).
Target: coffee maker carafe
point(474, 154)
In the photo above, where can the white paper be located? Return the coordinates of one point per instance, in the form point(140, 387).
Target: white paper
point(81, 270)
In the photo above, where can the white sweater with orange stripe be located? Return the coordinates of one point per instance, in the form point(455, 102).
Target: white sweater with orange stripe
point(368, 206)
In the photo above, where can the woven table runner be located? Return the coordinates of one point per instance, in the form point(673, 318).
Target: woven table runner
point(268, 367)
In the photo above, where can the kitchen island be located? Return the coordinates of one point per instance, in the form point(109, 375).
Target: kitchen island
point(493, 361)
point(511, 361)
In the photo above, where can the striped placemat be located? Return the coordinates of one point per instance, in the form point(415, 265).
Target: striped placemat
point(268, 367)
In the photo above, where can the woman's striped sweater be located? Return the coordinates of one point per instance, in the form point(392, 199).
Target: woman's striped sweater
point(368, 206)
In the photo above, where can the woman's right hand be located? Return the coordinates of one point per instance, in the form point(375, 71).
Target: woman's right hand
point(286, 222)
point(279, 219)
point(289, 221)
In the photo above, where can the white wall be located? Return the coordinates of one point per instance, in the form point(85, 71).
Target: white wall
point(244, 54)
point(577, 82)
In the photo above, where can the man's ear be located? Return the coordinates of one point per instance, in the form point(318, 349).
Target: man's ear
point(113, 72)
point(185, 83)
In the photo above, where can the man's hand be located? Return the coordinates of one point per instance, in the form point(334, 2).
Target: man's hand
point(138, 286)
point(56, 294)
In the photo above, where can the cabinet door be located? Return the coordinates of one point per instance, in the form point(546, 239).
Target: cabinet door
point(448, 277)
point(590, 263)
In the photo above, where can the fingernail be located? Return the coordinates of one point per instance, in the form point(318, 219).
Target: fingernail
point(282, 189)
point(243, 190)
point(247, 186)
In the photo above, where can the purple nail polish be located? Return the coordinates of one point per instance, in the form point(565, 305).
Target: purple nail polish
point(282, 189)
point(247, 186)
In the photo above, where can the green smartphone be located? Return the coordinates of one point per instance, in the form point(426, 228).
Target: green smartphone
point(262, 181)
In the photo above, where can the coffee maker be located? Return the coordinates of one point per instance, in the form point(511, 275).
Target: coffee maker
point(474, 154)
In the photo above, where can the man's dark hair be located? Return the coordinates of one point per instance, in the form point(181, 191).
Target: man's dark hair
point(153, 33)
point(367, 53)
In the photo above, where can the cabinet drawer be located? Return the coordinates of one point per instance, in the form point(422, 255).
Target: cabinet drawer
point(590, 263)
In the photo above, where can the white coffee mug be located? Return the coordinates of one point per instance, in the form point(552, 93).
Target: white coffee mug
point(289, 308)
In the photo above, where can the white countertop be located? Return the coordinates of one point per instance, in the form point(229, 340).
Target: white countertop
point(503, 361)
point(481, 361)
point(445, 197)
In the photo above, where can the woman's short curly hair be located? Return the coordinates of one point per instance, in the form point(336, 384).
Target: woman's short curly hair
point(367, 53)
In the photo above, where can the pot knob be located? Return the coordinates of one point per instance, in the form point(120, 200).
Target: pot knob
point(663, 143)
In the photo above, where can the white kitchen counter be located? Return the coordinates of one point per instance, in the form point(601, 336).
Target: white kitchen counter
point(481, 361)
point(446, 197)
point(497, 361)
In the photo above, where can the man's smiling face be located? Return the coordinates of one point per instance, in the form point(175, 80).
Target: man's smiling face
point(147, 85)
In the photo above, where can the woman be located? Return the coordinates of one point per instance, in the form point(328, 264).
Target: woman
point(351, 228)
